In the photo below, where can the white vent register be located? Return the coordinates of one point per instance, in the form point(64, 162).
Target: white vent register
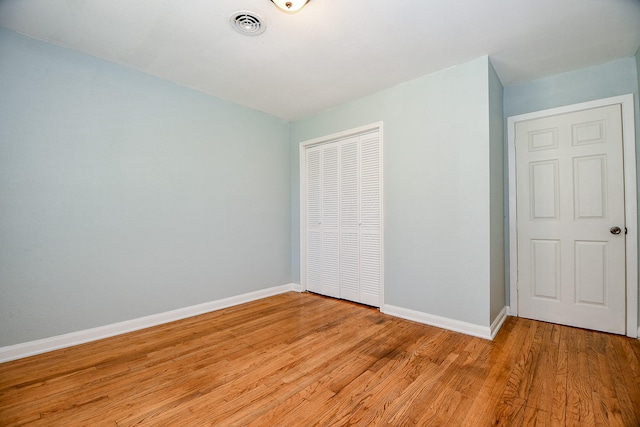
point(247, 23)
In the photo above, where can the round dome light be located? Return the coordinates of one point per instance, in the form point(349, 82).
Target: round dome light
point(290, 6)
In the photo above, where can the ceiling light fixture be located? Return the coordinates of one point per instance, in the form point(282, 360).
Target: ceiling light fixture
point(290, 6)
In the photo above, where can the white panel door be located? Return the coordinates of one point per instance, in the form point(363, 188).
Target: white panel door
point(570, 199)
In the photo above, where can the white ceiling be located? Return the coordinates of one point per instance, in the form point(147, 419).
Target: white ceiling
point(332, 51)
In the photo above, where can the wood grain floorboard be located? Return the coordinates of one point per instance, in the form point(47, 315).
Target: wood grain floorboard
point(306, 360)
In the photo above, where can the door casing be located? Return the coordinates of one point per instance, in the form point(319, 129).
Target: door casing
point(630, 196)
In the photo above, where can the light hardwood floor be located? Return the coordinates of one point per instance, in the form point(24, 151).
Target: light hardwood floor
point(305, 360)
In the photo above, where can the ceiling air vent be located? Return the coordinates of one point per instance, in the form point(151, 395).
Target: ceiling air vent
point(247, 23)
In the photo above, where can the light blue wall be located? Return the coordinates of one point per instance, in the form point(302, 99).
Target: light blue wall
point(587, 84)
point(638, 73)
point(123, 195)
point(496, 165)
point(613, 78)
point(436, 188)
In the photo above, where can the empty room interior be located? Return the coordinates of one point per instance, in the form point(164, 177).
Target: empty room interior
point(310, 212)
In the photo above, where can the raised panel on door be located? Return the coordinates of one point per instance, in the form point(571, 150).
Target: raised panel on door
point(545, 269)
point(589, 187)
point(544, 190)
point(591, 259)
point(570, 192)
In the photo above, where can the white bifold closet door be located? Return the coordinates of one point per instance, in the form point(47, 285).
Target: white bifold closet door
point(343, 207)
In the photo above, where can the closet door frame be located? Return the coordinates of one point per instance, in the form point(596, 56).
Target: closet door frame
point(378, 126)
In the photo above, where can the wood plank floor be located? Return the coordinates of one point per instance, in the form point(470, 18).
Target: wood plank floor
point(305, 360)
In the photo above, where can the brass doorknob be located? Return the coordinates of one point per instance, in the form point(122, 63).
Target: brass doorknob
point(615, 230)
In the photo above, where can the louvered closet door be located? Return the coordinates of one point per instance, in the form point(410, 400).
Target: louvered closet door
point(350, 219)
point(313, 238)
point(370, 219)
point(344, 219)
point(330, 221)
point(323, 212)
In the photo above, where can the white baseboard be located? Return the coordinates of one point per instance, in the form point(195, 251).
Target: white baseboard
point(497, 323)
point(19, 351)
point(486, 332)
